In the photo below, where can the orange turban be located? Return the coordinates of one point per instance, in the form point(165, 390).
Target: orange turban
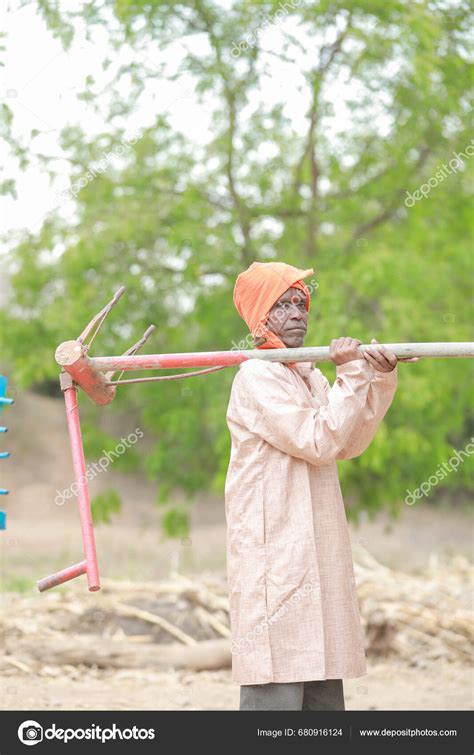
point(258, 288)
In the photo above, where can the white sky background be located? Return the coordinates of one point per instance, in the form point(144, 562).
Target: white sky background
point(40, 84)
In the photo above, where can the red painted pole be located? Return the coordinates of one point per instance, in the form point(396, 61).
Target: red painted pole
point(89, 566)
point(62, 576)
point(72, 414)
point(168, 361)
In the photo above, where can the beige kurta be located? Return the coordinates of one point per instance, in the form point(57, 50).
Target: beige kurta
point(293, 603)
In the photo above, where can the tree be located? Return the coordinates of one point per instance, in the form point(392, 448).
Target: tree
point(176, 223)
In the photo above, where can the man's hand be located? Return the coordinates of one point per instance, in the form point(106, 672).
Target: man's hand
point(344, 350)
point(383, 359)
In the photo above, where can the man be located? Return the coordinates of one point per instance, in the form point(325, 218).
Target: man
point(296, 630)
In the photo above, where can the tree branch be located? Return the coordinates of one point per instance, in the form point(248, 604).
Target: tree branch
point(327, 56)
point(389, 211)
point(230, 98)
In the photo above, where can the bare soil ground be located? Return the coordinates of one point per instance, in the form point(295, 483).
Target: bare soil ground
point(387, 687)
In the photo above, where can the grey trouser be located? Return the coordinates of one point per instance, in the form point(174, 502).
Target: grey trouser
point(324, 694)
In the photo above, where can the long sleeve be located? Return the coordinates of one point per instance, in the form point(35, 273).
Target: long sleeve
point(379, 397)
point(263, 403)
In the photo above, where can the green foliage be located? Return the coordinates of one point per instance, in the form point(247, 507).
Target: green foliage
point(97, 444)
point(19, 584)
point(176, 224)
point(104, 505)
point(176, 523)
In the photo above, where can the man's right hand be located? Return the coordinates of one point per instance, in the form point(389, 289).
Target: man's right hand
point(344, 350)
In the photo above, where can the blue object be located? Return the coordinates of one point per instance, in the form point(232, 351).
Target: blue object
point(4, 401)
point(3, 391)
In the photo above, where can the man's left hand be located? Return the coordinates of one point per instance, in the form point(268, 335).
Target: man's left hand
point(383, 359)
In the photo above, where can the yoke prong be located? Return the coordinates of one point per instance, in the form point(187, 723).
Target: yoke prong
point(133, 350)
point(100, 316)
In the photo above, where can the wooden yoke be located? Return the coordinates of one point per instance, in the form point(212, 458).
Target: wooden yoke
point(94, 374)
point(78, 370)
point(72, 357)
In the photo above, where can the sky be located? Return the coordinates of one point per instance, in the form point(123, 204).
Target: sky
point(41, 81)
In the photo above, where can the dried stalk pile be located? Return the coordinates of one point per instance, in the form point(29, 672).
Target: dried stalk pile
point(417, 617)
point(179, 623)
point(183, 622)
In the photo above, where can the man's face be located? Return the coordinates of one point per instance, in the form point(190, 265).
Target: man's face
point(289, 319)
